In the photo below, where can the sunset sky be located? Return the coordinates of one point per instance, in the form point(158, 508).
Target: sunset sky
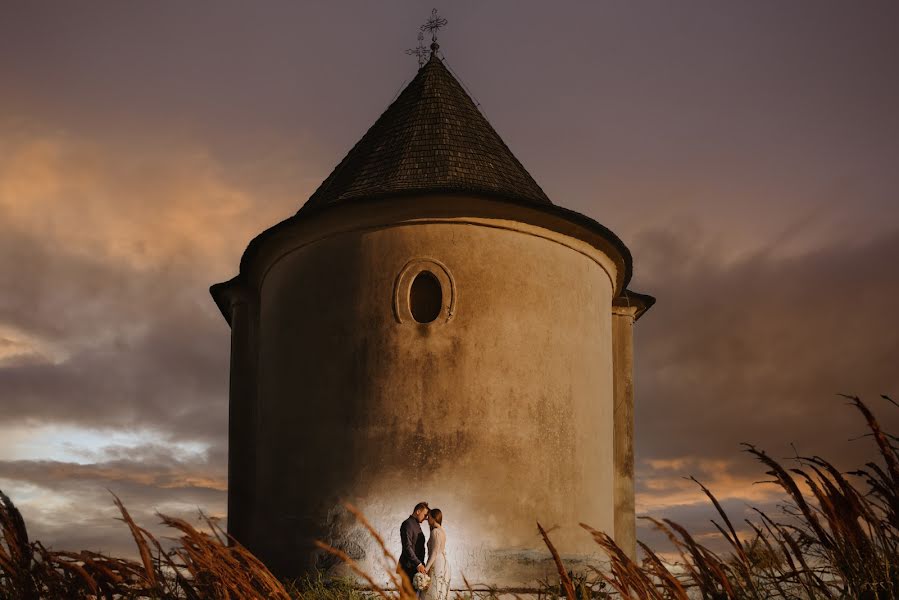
point(747, 153)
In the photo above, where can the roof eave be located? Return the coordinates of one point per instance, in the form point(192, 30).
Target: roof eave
point(640, 303)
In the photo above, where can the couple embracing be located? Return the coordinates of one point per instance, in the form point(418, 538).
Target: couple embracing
point(430, 578)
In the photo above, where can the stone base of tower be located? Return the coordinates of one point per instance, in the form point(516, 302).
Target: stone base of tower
point(519, 572)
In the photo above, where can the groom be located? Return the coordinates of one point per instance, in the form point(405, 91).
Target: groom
point(412, 538)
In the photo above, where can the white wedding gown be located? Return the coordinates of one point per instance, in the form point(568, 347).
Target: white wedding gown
point(437, 566)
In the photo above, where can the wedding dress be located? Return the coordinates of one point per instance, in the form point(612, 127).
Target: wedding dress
point(437, 566)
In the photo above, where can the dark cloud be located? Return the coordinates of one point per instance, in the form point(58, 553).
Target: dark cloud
point(69, 506)
point(757, 350)
point(159, 358)
point(699, 519)
point(106, 317)
point(153, 482)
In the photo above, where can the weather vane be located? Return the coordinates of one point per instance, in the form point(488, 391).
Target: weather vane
point(420, 50)
point(434, 24)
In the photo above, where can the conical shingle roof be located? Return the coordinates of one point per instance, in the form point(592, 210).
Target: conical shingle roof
point(431, 139)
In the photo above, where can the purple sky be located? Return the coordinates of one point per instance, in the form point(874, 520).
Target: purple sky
point(748, 154)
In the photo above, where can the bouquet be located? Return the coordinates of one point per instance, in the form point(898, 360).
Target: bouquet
point(421, 581)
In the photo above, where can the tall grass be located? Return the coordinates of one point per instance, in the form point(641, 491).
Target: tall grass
point(201, 565)
point(835, 536)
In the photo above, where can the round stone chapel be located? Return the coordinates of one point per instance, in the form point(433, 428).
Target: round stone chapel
point(430, 326)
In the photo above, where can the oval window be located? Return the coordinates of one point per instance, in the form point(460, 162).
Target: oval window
point(425, 297)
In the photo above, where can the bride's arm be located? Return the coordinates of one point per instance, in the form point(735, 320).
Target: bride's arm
point(432, 554)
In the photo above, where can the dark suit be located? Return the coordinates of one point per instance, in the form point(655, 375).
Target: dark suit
point(413, 540)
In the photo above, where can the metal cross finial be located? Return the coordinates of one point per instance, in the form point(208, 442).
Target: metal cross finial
point(434, 24)
point(420, 50)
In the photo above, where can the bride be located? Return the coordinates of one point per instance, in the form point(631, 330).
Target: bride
point(438, 567)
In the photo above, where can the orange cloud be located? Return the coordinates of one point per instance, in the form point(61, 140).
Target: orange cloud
point(138, 207)
point(664, 483)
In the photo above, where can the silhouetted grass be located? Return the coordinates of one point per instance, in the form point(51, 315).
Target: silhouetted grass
point(834, 537)
point(201, 565)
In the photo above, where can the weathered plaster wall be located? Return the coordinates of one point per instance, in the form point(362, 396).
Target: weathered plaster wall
point(242, 415)
point(623, 364)
point(500, 414)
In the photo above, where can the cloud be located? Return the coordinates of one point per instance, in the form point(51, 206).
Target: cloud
point(67, 505)
point(756, 350)
point(105, 259)
point(135, 208)
point(665, 483)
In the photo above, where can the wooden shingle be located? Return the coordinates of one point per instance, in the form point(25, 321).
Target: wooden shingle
point(431, 139)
